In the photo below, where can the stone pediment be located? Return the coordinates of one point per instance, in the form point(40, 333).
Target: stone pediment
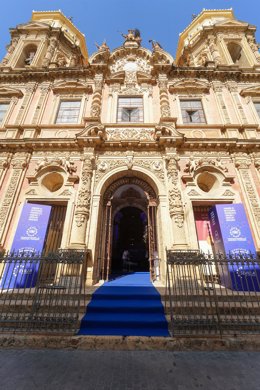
point(71, 86)
point(251, 91)
point(231, 23)
point(10, 92)
point(185, 86)
point(34, 26)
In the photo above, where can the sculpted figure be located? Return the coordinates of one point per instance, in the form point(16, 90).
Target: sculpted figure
point(50, 52)
point(41, 164)
point(155, 45)
point(102, 47)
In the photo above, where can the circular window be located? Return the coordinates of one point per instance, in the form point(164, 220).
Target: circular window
point(53, 181)
point(207, 182)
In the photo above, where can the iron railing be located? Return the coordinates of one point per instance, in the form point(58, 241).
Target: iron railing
point(42, 293)
point(209, 295)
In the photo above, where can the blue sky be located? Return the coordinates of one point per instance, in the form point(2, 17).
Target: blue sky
point(161, 20)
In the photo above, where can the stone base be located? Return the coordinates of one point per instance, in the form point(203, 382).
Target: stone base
point(249, 343)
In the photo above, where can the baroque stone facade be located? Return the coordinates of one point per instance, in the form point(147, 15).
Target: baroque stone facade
point(129, 128)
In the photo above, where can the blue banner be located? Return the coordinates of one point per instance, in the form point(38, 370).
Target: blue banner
point(232, 237)
point(29, 238)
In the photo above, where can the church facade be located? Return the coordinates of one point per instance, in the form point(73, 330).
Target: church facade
point(130, 147)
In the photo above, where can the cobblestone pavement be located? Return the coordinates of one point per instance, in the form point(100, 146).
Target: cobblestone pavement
point(136, 370)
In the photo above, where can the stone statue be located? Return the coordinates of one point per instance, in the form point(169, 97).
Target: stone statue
point(29, 59)
point(41, 164)
point(61, 60)
point(133, 36)
point(155, 45)
point(102, 47)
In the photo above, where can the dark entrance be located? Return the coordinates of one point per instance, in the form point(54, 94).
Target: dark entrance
point(129, 246)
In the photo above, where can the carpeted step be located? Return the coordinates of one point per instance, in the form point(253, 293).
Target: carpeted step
point(123, 320)
point(129, 305)
point(124, 306)
point(126, 292)
point(147, 332)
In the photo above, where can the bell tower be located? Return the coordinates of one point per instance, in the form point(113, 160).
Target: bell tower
point(49, 39)
point(215, 38)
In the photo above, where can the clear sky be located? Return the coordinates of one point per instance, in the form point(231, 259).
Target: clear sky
point(161, 20)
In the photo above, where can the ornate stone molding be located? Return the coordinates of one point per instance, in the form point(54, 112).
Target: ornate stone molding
point(189, 86)
point(122, 134)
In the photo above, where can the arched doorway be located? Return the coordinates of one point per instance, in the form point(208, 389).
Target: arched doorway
point(128, 229)
point(130, 241)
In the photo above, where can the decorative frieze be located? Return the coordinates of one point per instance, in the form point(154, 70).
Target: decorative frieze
point(120, 134)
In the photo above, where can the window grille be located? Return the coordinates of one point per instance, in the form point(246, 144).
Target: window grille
point(68, 112)
point(192, 111)
point(130, 109)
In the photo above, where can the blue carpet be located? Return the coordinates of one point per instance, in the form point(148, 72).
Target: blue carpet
point(128, 305)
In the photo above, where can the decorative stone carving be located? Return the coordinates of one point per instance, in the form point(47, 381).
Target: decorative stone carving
point(50, 52)
point(254, 46)
point(18, 164)
point(242, 163)
point(164, 98)
point(228, 193)
point(10, 50)
point(193, 164)
point(132, 39)
point(83, 202)
point(214, 50)
point(97, 97)
point(118, 134)
point(65, 163)
point(193, 193)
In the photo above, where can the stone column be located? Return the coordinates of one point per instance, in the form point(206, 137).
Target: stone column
point(95, 111)
point(218, 89)
point(252, 203)
point(232, 86)
point(176, 205)
point(164, 98)
point(29, 92)
point(81, 214)
point(19, 164)
point(44, 88)
point(4, 165)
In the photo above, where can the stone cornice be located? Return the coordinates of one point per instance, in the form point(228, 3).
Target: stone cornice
point(97, 135)
point(222, 73)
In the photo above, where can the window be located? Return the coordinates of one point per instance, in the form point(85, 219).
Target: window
point(192, 111)
point(3, 109)
point(130, 109)
point(257, 107)
point(68, 112)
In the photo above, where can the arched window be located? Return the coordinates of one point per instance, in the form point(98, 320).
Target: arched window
point(234, 51)
point(237, 54)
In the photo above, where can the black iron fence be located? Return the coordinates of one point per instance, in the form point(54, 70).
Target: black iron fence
point(209, 295)
point(42, 293)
